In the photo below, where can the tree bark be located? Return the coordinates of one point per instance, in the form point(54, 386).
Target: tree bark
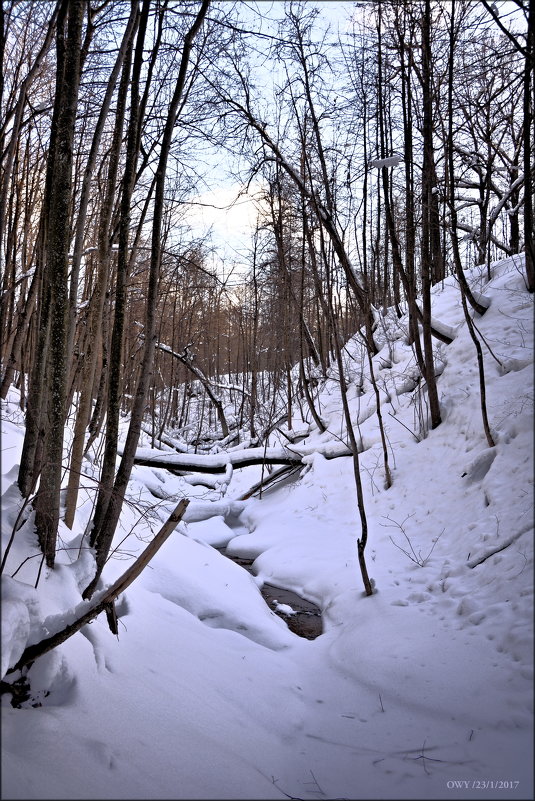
point(114, 387)
point(56, 276)
point(96, 308)
point(428, 171)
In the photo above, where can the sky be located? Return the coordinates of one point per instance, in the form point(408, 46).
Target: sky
point(227, 212)
point(226, 216)
point(422, 690)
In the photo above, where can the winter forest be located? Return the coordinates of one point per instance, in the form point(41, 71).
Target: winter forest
point(266, 337)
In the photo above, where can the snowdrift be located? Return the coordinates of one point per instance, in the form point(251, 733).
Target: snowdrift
point(423, 690)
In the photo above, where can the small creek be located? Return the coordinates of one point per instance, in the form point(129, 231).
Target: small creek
point(305, 620)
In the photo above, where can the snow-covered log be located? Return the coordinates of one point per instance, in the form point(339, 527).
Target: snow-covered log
point(218, 462)
point(446, 333)
point(204, 510)
point(215, 462)
point(483, 300)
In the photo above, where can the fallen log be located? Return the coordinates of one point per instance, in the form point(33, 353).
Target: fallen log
point(245, 457)
point(106, 601)
point(442, 331)
point(215, 462)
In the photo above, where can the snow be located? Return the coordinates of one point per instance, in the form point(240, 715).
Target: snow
point(390, 161)
point(423, 690)
point(284, 608)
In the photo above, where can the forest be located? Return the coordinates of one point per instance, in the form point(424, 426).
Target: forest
point(383, 155)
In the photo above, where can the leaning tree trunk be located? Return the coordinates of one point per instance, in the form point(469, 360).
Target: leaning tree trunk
point(467, 293)
point(363, 539)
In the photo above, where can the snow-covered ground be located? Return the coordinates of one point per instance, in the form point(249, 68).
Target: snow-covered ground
point(423, 690)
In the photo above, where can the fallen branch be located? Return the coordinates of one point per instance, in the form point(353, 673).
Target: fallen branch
point(478, 560)
point(186, 358)
point(106, 602)
point(179, 447)
point(267, 481)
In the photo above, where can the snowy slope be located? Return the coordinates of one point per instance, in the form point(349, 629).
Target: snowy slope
point(423, 690)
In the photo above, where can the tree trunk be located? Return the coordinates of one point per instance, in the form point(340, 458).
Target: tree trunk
point(467, 293)
point(529, 150)
point(88, 173)
point(107, 473)
point(428, 171)
point(56, 270)
point(95, 312)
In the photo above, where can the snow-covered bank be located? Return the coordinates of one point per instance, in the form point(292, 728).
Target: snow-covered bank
point(423, 690)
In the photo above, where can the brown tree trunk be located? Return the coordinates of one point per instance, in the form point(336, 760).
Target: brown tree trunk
point(56, 274)
point(114, 374)
point(95, 313)
point(428, 170)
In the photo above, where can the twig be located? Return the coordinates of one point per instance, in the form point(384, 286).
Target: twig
point(417, 558)
point(16, 526)
point(404, 426)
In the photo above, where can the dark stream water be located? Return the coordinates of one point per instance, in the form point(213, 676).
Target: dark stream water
point(305, 620)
